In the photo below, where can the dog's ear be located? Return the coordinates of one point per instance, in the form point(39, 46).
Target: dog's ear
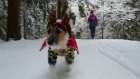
point(65, 19)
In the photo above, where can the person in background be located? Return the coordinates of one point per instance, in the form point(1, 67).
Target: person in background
point(93, 22)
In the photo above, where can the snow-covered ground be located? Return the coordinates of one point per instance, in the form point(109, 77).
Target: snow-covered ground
point(98, 59)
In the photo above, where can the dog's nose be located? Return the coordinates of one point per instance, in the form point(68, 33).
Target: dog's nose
point(50, 41)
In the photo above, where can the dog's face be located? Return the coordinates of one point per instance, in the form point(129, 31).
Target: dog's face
point(57, 36)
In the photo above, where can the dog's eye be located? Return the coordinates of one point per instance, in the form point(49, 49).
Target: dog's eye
point(49, 31)
point(57, 31)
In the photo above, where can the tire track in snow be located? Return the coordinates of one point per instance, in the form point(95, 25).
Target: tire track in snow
point(121, 51)
point(113, 59)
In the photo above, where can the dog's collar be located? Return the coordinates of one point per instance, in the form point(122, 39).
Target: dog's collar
point(62, 25)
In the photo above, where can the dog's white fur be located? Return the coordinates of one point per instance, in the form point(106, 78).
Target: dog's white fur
point(53, 74)
point(62, 44)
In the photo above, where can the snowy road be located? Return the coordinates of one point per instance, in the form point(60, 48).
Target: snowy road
point(22, 60)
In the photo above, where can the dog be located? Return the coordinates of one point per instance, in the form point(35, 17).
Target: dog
point(61, 42)
point(58, 36)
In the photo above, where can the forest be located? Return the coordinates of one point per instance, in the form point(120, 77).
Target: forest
point(27, 19)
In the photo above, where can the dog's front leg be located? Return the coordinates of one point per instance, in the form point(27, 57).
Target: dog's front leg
point(69, 60)
point(52, 58)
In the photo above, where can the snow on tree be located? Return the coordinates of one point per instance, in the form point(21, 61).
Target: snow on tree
point(3, 19)
point(113, 16)
point(118, 19)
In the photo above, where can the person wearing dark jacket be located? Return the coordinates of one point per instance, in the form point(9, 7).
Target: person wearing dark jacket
point(93, 22)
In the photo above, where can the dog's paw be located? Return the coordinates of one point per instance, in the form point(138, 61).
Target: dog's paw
point(53, 76)
point(68, 68)
point(52, 73)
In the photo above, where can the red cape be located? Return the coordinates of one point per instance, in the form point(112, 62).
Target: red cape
point(72, 44)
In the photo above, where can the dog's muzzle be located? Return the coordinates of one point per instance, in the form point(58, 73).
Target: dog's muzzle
point(52, 41)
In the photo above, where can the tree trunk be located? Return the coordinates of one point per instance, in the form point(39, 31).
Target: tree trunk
point(59, 6)
point(13, 25)
point(102, 33)
point(133, 4)
point(25, 23)
point(64, 7)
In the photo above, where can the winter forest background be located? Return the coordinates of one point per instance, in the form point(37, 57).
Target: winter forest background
point(118, 19)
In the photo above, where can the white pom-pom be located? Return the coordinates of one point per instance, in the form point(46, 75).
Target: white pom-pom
point(58, 20)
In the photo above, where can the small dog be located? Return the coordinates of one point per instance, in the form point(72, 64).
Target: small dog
point(61, 43)
point(58, 38)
